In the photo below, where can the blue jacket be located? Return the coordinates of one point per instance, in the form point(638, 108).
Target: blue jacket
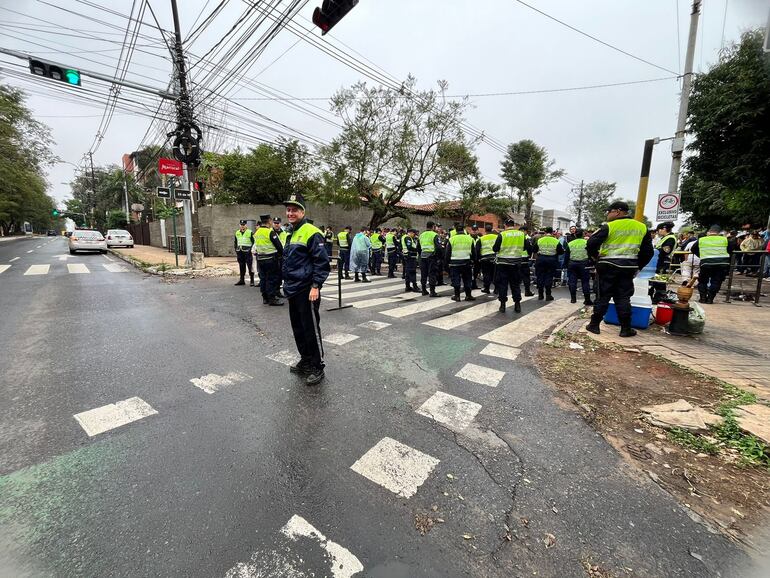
point(305, 265)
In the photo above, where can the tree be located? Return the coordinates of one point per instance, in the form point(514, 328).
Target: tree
point(727, 175)
point(25, 152)
point(596, 197)
point(393, 142)
point(526, 168)
point(98, 195)
point(116, 219)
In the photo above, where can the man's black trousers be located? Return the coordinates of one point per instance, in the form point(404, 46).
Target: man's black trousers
point(376, 264)
point(524, 272)
point(428, 271)
point(392, 261)
point(710, 279)
point(487, 273)
point(458, 273)
point(614, 283)
point(345, 257)
point(244, 260)
point(578, 271)
point(508, 276)
point(410, 271)
point(545, 267)
point(269, 277)
point(306, 325)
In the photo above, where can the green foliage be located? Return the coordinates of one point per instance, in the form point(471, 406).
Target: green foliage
point(116, 219)
point(103, 192)
point(596, 197)
point(477, 197)
point(391, 145)
point(727, 175)
point(164, 211)
point(526, 168)
point(692, 441)
point(25, 152)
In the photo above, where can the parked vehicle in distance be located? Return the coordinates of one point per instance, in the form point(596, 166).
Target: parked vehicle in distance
point(50, 233)
point(87, 240)
point(119, 238)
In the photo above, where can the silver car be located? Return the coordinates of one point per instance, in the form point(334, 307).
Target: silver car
point(119, 238)
point(87, 240)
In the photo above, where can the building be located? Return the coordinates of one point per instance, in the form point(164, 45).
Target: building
point(559, 220)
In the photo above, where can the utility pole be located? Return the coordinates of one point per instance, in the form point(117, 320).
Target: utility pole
point(677, 147)
point(580, 205)
point(92, 196)
point(644, 178)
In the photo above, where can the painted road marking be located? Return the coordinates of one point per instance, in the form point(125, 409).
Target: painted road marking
point(523, 329)
point(77, 268)
point(212, 382)
point(343, 563)
point(392, 285)
point(107, 417)
point(424, 305)
point(285, 356)
point(14, 259)
point(4, 268)
point(339, 338)
point(63, 257)
point(114, 267)
point(374, 325)
point(108, 257)
point(381, 301)
point(37, 270)
point(38, 246)
point(395, 466)
point(467, 315)
point(497, 350)
point(479, 374)
point(455, 413)
point(31, 251)
point(373, 279)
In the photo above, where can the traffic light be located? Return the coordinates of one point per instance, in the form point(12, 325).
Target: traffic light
point(331, 12)
point(54, 72)
point(55, 213)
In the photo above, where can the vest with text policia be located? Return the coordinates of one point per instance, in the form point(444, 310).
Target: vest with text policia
point(244, 239)
point(621, 248)
point(344, 242)
point(577, 250)
point(713, 250)
point(427, 242)
point(547, 246)
point(511, 246)
point(263, 244)
point(462, 245)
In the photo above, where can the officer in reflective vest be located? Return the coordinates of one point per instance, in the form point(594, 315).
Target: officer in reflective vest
point(524, 268)
point(443, 239)
point(410, 248)
point(377, 240)
point(306, 267)
point(429, 248)
point(665, 246)
point(329, 240)
point(548, 250)
point(621, 248)
point(268, 249)
point(343, 242)
point(243, 241)
point(476, 236)
point(390, 251)
point(714, 263)
point(282, 236)
point(459, 255)
point(487, 257)
point(509, 247)
point(577, 262)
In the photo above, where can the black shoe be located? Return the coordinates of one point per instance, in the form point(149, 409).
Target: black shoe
point(251, 283)
point(549, 297)
point(502, 307)
point(528, 293)
point(433, 293)
point(469, 297)
point(540, 296)
point(415, 289)
point(408, 289)
point(487, 291)
point(265, 301)
point(391, 276)
point(517, 306)
point(356, 280)
point(588, 302)
point(454, 297)
point(347, 276)
point(573, 299)
point(315, 377)
point(365, 280)
point(275, 302)
point(424, 291)
point(627, 332)
point(593, 328)
point(241, 282)
point(300, 367)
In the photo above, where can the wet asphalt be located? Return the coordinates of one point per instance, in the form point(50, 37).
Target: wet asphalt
point(210, 480)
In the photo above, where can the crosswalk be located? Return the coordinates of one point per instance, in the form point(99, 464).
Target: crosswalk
point(69, 268)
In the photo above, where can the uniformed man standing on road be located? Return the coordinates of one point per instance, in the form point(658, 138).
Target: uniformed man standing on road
point(377, 241)
point(509, 247)
point(410, 248)
point(577, 262)
point(282, 236)
point(390, 251)
point(548, 250)
point(306, 267)
point(429, 249)
point(267, 246)
point(524, 268)
point(621, 248)
point(714, 263)
point(665, 246)
point(343, 241)
point(459, 255)
point(242, 243)
point(487, 257)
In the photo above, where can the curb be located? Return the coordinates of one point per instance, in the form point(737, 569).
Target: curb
point(173, 272)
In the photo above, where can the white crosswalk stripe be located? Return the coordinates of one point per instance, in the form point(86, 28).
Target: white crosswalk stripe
point(523, 329)
point(497, 350)
point(339, 338)
point(453, 412)
point(467, 315)
point(212, 382)
point(102, 419)
point(31, 251)
point(37, 270)
point(114, 267)
point(4, 268)
point(395, 466)
point(285, 356)
point(14, 259)
point(77, 268)
point(480, 374)
point(374, 325)
point(425, 304)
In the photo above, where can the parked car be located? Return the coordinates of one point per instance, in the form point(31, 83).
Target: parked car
point(50, 233)
point(119, 238)
point(87, 240)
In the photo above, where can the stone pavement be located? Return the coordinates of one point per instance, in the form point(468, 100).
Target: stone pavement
point(733, 346)
point(159, 256)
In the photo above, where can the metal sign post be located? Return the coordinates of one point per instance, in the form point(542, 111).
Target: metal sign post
point(339, 288)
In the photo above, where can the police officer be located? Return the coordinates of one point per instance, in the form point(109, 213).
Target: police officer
point(524, 269)
point(439, 263)
point(621, 248)
point(269, 251)
point(329, 240)
point(548, 250)
point(282, 236)
point(665, 246)
point(429, 249)
point(390, 250)
point(377, 241)
point(243, 241)
point(576, 262)
point(459, 255)
point(476, 236)
point(714, 263)
point(343, 242)
point(509, 246)
point(410, 248)
point(486, 254)
point(306, 267)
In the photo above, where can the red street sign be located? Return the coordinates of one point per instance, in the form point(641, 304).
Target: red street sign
point(170, 167)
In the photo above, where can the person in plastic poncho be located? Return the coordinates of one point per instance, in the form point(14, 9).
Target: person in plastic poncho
point(360, 250)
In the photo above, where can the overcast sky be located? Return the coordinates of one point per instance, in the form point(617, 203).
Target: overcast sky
point(479, 47)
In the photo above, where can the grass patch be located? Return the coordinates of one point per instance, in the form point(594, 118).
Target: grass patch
point(692, 441)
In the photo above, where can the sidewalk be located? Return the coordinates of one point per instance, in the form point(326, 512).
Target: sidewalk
point(156, 256)
point(733, 347)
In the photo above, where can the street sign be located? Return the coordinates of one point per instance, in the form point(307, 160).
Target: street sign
point(182, 194)
point(164, 192)
point(170, 167)
point(668, 207)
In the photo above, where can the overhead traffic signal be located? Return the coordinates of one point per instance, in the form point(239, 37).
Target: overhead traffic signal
point(54, 72)
point(55, 213)
point(331, 12)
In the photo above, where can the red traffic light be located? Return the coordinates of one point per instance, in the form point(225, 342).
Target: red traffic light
point(331, 12)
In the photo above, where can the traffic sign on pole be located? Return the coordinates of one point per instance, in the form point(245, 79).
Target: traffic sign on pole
point(668, 207)
point(183, 194)
point(164, 192)
point(170, 167)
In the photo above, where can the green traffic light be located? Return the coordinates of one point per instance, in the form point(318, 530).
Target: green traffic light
point(55, 213)
point(72, 77)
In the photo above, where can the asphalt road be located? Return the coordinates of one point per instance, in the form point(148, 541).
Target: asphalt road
point(241, 471)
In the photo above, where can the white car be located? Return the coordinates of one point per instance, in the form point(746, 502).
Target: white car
point(87, 240)
point(119, 238)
